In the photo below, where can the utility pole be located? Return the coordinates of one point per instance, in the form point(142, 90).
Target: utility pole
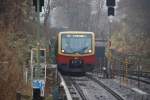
point(109, 49)
point(126, 71)
point(109, 72)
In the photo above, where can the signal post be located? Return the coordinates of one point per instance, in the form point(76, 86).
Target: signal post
point(38, 59)
point(111, 12)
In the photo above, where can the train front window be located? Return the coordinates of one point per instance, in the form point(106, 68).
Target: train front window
point(76, 43)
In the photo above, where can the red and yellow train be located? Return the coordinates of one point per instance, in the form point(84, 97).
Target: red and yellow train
point(75, 51)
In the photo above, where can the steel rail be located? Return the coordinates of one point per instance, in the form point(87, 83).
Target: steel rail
point(141, 80)
point(137, 78)
point(79, 90)
point(118, 97)
point(63, 83)
point(74, 86)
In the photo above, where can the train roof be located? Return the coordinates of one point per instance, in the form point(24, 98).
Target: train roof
point(75, 32)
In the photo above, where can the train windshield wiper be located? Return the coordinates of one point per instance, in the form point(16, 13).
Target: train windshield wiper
point(81, 50)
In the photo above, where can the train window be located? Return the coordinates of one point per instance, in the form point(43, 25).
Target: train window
point(73, 43)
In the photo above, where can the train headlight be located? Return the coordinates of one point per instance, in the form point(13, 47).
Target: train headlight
point(90, 51)
point(62, 50)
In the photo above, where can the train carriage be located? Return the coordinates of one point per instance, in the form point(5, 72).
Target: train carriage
point(76, 51)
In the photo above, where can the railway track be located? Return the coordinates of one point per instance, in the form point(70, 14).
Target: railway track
point(87, 88)
point(83, 97)
point(118, 97)
point(141, 79)
point(74, 90)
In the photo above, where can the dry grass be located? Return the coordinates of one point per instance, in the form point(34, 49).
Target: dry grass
point(11, 75)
